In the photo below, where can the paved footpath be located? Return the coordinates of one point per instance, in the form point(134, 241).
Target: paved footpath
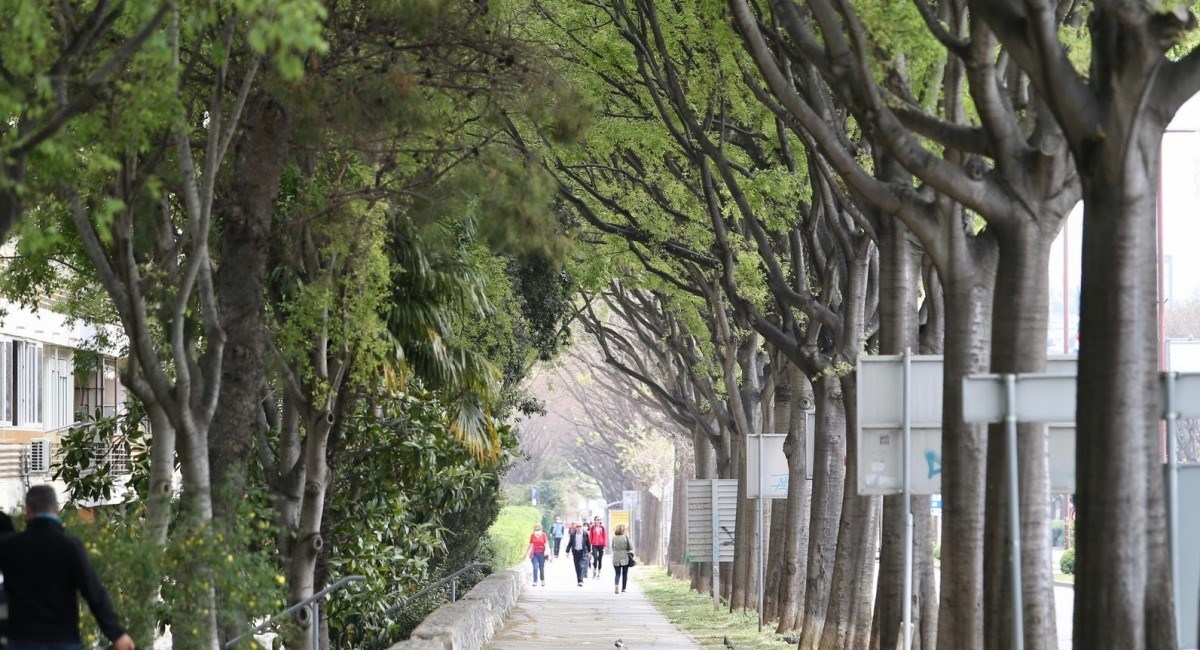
point(565, 615)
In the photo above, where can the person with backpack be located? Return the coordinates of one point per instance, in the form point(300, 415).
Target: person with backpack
point(556, 534)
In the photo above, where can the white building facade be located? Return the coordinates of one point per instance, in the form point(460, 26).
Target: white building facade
point(47, 381)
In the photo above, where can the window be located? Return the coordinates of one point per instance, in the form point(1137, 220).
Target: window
point(60, 377)
point(27, 364)
point(6, 383)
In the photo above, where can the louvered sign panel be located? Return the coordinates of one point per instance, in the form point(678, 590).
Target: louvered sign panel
point(701, 521)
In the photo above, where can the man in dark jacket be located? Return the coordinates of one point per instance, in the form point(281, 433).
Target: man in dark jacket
point(44, 570)
point(580, 548)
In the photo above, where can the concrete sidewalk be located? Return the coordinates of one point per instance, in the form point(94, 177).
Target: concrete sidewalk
point(565, 615)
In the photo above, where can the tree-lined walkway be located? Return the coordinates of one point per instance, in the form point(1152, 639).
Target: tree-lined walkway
point(563, 614)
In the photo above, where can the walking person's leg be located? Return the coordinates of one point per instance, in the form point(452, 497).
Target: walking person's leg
point(624, 577)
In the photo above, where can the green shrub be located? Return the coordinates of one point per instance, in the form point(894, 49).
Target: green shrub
point(510, 534)
point(1067, 564)
point(1057, 527)
point(937, 552)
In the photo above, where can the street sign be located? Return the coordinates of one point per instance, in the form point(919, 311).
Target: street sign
point(702, 520)
point(880, 413)
point(774, 466)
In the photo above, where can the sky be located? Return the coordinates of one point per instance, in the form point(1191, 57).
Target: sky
point(1181, 225)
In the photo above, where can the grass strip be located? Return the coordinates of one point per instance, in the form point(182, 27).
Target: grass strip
point(693, 613)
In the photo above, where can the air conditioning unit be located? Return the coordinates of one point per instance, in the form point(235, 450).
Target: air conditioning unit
point(39, 456)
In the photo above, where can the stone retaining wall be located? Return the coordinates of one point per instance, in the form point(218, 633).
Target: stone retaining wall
point(470, 622)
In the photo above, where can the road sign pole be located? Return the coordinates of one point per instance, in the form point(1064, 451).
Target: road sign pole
point(905, 472)
point(716, 550)
point(1172, 417)
point(761, 558)
point(1014, 511)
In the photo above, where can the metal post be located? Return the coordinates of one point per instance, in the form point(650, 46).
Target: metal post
point(906, 429)
point(761, 558)
point(454, 589)
point(1172, 417)
point(716, 550)
point(315, 626)
point(1014, 511)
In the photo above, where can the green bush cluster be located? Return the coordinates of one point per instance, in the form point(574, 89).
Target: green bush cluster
point(148, 582)
point(1067, 563)
point(510, 534)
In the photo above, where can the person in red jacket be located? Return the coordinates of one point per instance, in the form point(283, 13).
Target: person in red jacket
point(598, 537)
point(537, 553)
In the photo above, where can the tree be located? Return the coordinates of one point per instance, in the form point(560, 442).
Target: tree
point(56, 64)
point(1112, 116)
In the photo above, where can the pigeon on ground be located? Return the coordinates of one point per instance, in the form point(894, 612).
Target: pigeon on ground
point(727, 642)
point(619, 644)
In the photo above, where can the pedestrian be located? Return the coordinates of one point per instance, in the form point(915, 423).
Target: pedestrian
point(556, 534)
point(44, 568)
point(622, 556)
point(6, 529)
point(537, 553)
point(598, 537)
point(580, 548)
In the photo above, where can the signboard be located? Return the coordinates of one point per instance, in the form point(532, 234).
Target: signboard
point(880, 414)
point(701, 519)
point(1188, 571)
point(774, 466)
point(621, 517)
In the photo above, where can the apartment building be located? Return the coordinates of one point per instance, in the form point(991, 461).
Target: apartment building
point(47, 380)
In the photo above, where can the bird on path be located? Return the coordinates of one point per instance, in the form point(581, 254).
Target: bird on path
point(727, 642)
point(619, 644)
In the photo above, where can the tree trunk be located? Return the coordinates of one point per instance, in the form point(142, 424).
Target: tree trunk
point(1020, 316)
point(899, 264)
point(262, 151)
point(704, 456)
point(677, 539)
point(967, 292)
point(196, 515)
point(779, 421)
point(847, 625)
point(829, 477)
point(162, 474)
point(1123, 584)
point(309, 541)
point(798, 509)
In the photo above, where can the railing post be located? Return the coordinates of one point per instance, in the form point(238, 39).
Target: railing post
point(315, 626)
point(454, 590)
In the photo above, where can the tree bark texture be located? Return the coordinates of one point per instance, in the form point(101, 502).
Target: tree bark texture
point(967, 283)
point(899, 265)
point(1123, 597)
point(246, 228)
point(829, 478)
point(677, 540)
point(848, 618)
point(798, 509)
point(1020, 316)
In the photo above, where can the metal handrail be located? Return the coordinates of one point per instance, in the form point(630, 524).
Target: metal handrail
point(311, 601)
point(453, 587)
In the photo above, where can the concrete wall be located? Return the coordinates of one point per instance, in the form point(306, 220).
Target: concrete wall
point(469, 623)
